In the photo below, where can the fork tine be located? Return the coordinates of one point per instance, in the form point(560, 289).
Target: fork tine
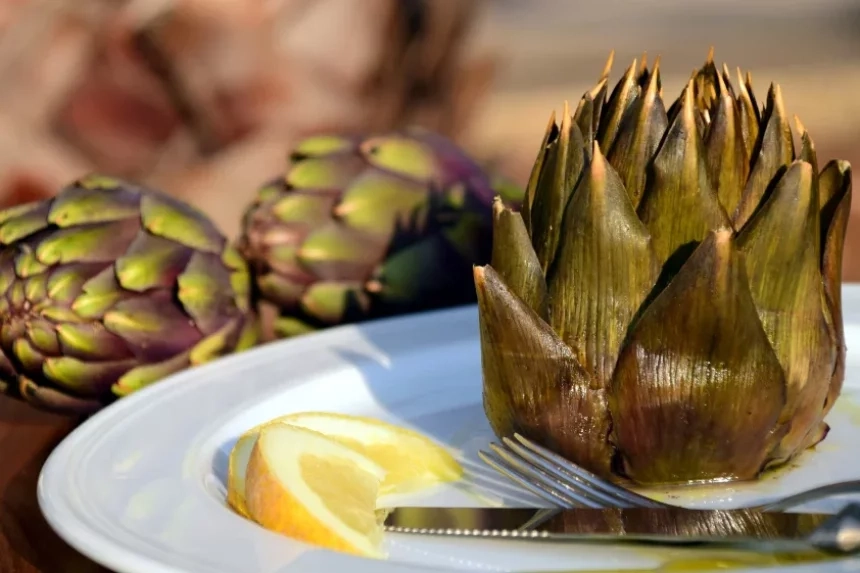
point(513, 475)
point(538, 475)
point(566, 479)
point(598, 483)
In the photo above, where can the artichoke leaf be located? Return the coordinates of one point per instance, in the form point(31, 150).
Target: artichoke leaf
point(216, 344)
point(406, 156)
point(248, 335)
point(807, 147)
point(204, 289)
point(7, 269)
point(623, 96)
point(597, 97)
point(27, 355)
point(152, 325)
point(680, 206)
point(240, 282)
point(555, 186)
point(429, 271)
point(604, 269)
point(65, 283)
point(773, 151)
point(585, 119)
point(16, 211)
point(24, 221)
point(549, 138)
point(43, 335)
point(288, 326)
point(335, 251)
point(303, 208)
point(749, 113)
point(36, 290)
point(26, 262)
point(166, 217)
point(322, 145)
point(781, 244)
point(515, 260)
point(52, 399)
point(642, 130)
point(698, 390)
point(91, 341)
point(82, 378)
point(98, 181)
point(334, 302)
point(97, 243)
point(83, 205)
point(324, 173)
point(97, 295)
point(533, 383)
point(285, 292)
point(16, 295)
point(835, 202)
point(151, 262)
point(834, 182)
point(706, 84)
point(375, 201)
point(725, 150)
point(233, 259)
point(144, 375)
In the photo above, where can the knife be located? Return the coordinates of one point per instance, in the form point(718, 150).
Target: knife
point(763, 531)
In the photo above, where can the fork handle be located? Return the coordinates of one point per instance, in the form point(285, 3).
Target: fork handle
point(841, 488)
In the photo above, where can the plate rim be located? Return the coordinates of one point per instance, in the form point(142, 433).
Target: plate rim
point(108, 552)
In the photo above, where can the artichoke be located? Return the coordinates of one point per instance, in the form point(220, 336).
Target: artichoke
point(365, 227)
point(666, 305)
point(108, 287)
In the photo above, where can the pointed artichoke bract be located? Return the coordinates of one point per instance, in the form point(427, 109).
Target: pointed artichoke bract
point(603, 271)
point(553, 399)
point(108, 287)
point(638, 137)
point(698, 389)
point(782, 241)
point(684, 293)
point(515, 260)
point(679, 183)
point(773, 151)
point(563, 166)
point(726, 149)
point(835, 207)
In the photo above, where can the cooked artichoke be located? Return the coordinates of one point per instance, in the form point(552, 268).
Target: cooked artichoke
point(669, 311)
point(109, 287)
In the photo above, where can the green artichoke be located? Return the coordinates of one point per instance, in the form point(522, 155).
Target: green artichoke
point(109, 287)
point(670, 311)
point(365, 227)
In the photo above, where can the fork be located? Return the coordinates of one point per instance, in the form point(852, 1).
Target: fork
point(565, 484)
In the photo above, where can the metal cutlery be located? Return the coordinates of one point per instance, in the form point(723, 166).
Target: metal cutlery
point(565, 484)
point(588, 508)
point(776, 532)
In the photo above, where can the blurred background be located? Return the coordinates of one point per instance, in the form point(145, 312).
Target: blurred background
point(204, 98)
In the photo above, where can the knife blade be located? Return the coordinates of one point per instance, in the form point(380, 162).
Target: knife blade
point(673, 526)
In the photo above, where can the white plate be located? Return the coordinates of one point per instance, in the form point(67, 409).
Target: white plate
point(140, 486)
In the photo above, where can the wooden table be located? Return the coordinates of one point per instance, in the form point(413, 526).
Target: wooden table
point(27, 544)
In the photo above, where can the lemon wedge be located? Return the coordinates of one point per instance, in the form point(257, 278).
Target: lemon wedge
point(305, 485)
point(411, 460)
